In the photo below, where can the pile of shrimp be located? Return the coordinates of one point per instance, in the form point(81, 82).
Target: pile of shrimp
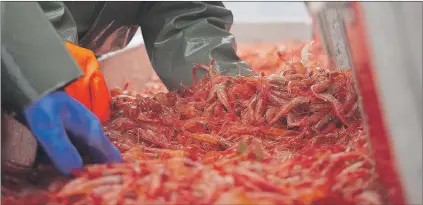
point(290, 138)
point(247, 175)
point(261, 58)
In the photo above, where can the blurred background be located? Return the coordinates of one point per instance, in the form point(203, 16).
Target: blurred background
point(292, 15)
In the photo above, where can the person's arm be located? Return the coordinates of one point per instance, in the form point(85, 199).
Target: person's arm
point(31, 52)
point(91, 89)
point(179, 34)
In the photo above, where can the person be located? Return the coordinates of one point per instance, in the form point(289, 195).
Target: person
point(60, 110)
point(36, 70)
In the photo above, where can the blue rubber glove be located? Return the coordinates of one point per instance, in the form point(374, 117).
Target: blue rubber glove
point(54, 116)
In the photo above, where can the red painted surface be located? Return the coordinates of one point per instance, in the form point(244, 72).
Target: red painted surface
point(379, 137)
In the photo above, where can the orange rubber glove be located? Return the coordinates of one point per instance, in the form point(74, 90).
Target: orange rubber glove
point(91, 89)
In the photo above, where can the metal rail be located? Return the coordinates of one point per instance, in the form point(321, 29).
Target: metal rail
point(330, 18)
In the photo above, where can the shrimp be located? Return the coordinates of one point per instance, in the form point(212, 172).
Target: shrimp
point(288, 107)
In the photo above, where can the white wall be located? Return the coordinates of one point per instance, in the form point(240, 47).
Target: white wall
point(265, 12)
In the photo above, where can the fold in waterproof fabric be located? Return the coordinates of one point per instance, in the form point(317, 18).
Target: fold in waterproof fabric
point(61, 18)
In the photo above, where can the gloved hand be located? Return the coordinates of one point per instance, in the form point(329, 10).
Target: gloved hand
point(51, 117)
point(91, 89)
